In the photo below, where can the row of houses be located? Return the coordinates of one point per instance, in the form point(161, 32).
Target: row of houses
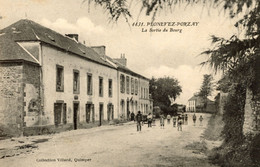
point(51, 81)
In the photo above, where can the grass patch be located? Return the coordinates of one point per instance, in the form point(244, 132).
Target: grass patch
point(197, 147)
point(214, 129)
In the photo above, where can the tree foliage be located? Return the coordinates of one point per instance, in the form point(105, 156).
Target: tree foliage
point(164, 89)
point(206, 88)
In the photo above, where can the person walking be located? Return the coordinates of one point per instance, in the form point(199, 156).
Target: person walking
point(162, 121)
point(179, 123)
point(174, 120)
point(150, 119)
point(139, 120)
point(194, 119)
point(168, 118)
point(201, 119)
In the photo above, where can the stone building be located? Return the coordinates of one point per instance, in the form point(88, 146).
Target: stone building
point(196, 104)
point(51, 82)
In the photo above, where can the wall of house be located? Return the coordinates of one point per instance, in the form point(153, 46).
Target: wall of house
point(125, 97)
point(191, 106)
point(11, 96)
point(144, 99)
point(32, 101)
point(52, 57)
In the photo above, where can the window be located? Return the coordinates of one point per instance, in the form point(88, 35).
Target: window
point(75, 81)
point(127, 84)
point(89, 84)
point(59, 78)
point(136, 87)
point(132, 85)
point(100, 87)
point(122, 83)
point(110, 88)
point(141, 92)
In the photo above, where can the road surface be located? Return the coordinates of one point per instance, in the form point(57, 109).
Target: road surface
point(112, 146)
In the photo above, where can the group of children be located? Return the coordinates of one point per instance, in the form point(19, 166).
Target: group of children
point(177, 120)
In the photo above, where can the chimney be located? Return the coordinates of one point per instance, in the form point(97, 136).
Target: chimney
point(122, 60)
point(73, 36)
point(101, 50)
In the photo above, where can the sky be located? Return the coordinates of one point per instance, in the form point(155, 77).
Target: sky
point(156, 54)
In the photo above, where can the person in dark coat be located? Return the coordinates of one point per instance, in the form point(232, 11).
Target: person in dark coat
point(139, 120)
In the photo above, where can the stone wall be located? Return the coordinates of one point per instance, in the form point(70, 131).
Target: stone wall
point(251, 116)
point(11, 96)
point(222, 102)
point(32, 102)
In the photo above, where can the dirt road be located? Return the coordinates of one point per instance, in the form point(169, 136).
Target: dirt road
point(116, 146)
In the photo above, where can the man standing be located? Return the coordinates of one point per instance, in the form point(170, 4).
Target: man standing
point(139, 120)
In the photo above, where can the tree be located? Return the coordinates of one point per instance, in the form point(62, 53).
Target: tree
point(206, 89)
point(164, 89)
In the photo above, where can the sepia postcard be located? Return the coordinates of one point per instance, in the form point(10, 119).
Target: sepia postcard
point(127, 83)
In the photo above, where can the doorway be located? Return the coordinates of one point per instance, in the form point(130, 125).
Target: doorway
point(127, 109)
point(75, 114)
point(88, 110)
point(110, 112)
point(57, 113)
point(101, 113)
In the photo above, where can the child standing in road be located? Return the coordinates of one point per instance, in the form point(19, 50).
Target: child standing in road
point(179, 123)
point(162, 121)
point(201, 119)
point(174, 120)
point(150, 119)
point(194, 119)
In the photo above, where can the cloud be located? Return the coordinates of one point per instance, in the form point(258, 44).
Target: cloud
point(83, 26)
point(190, 78)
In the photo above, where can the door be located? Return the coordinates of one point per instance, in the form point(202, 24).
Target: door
point(75, 115)
point(93, 112)
point(57, 113)
point(88, 109)
point(100, 114)
point(127, 110)
point(110, 112)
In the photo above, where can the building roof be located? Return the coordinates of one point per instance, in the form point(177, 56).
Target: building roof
point(123, 68)
point(196, 97)
point(27, 30)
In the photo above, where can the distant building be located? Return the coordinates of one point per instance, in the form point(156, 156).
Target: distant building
point(196, 104)
point(52, 82)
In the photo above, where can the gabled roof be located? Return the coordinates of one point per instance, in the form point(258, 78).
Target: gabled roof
point(196, 97)
point(27, 30)
point(10, 50)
